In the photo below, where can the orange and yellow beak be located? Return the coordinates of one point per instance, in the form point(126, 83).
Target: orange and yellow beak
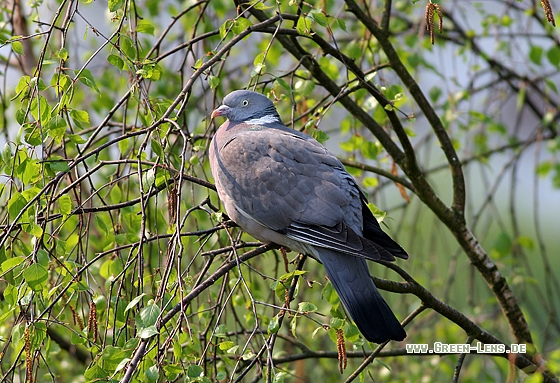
point(221, 111)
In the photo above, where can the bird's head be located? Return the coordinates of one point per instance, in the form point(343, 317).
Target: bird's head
point(247, 106)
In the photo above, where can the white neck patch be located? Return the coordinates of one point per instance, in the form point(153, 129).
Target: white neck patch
point(268, 119)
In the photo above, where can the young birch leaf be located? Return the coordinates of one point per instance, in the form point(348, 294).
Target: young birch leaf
point(115, 4)
point(147, 332)
point(213, 81)
point(116, 61)
point(145, 27)
point(274, 325)
point(65, 204)
point(240, 25)
point(150, 314)
point(35, 275)
point(17, 47)
point(535, 54)
point(303, 26)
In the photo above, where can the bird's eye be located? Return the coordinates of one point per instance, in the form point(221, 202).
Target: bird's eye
point(245, 102)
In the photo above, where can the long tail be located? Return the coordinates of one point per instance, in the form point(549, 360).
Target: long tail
point(351, 280)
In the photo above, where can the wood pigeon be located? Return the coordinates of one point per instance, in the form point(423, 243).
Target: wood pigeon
point(282, 186)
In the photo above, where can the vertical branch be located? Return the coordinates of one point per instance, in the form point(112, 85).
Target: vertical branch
point(382, 37)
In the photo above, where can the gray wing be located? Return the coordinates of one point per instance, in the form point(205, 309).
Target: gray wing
point(277, 177)
point(291, 184)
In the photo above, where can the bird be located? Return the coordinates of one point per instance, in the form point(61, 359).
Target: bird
point(282, 186)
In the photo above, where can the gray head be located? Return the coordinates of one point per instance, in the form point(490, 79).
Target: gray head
point(247, 106)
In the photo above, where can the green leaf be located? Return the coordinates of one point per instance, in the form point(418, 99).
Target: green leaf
point(87, 79)
point(33, 135)
point(61, 83)
point(370, 182)
point(172, 371)
point(435, 93)
point(193, 160)
point(377, 213)
point(258, 70)
point(20, 115)
point(63, 54)
point(544, 168)
point(122, 364)
point(123, 146)
point(112, 357)
point(16, 205)
point(213, 81)
point(304, 87)
point(56, 127)
point(502, 245)
point(145, 27)
point(279, 377)
point(35, 275)
point(274, 325)
point(553, 55)
point(115, 4)
point(537, 377)
point(22, 86)
point(149, 315)
point(224, 29)
point(293, 326)
point(240, 25)
point(116, 61)
point(259, 65)
point(152, 374)
point(134, 302)
point(319, 17)
point(520, 100)
point(17, 47)
point(95, 374)
point(233, 349)
point(31, 171)
point(220, 331)
point(370, 150)
point(319, 135)
point(40, 109)
point(258, 4)
point(156, 147)
point(284, 84)
point(198, 63)
point(330, 295)
point(506, 20)
point(303, 26)
point(552, 85)
point(65, 204)
point(535, 54)
point(337, 323)
point(79, 115)
point(288, 276)
point(226, 345)
point(259, 59)
point(370, 76)
point(10, 263)
point(526, 242)
point(42, 257)
point(342, 24)
point(58, 166)
point(306, 307)
point(127, 47)
point(33, 229)
point(147, 332)
point(194, 371)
